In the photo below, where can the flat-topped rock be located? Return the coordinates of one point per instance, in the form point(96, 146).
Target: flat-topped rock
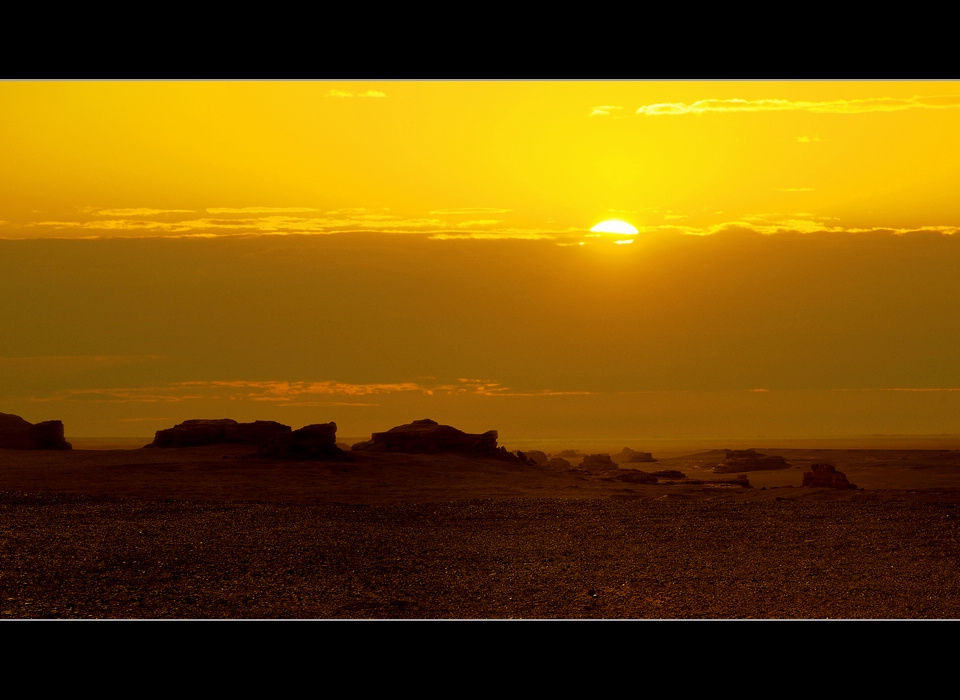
point(427, 436)
point(311, 442)
point(826, 476)
point(601, 462)
point(629, 455)
point(749, 461)
point(198, 432)
point(19, 434)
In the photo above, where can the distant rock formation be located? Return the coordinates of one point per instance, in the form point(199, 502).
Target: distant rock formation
point(311, 442)
point(628, 455)
point(536, 456)
point(198, 432)
point(427, 436)
point(525, 459)
point(669, 474)
point(598, 463)
point(19, 434)
point(749, 461)
point(635, 476)
point(826, 476)
point(557, 463)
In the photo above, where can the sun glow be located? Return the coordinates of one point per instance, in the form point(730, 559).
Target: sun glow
point(614, 226)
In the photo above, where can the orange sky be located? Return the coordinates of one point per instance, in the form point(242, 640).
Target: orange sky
point(373, 253)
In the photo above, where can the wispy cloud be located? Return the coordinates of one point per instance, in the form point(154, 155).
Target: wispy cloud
point(140, 211)
point(292, 393)
point(365, 93)
point(495, 236)
point(479, 222)
point(260, 210)
point(470, 211)
point(856, 106)
point(606, 111)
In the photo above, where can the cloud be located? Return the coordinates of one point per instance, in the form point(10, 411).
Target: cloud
point(141, 211)
point(260, 210)
point(605, 110)
point(494, 236)
point(471, 210)
point(291, 393)
point(479, 222)
point(857, 106)
point(366, 93)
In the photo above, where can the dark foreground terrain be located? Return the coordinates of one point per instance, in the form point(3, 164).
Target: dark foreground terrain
point(213, 533)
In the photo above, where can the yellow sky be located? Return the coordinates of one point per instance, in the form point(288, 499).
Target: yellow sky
point(793, 237)
point(508, 158)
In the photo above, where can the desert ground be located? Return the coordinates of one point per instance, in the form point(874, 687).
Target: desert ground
point(214, 532)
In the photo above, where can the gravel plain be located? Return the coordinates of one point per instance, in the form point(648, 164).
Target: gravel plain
point(657, 557)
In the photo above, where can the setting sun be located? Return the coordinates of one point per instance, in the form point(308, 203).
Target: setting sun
point(614, 226)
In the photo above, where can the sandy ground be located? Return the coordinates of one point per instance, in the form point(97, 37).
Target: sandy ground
point(215, 533)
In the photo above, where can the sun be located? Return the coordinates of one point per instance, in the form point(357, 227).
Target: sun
point(614, 226)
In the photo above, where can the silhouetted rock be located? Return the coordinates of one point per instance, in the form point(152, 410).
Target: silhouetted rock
point(19, 434)
point(537, 456)
point(598, 463)
point(557, 463)
point(628, 455)
point(635, 476)
point(197, 432)
point(669, 474)
point(749, 460)
point(826, 476)
point(311, 442)
point(426, 436)
point(525, 459)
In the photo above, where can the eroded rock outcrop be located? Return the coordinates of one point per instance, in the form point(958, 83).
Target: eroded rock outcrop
point(635, 476)
point(537, 456)
point(600, 462)
point(198, 432)
point(749, 461)
point(311, 442)
point(826, 476)
point(557, 463)
point(628, 455)
point(19, 434)
point(427, 436)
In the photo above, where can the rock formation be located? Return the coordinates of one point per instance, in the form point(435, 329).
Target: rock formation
point(525, 459)
point(427, 436)
point(749, 461)
point(557, 463)
point(19, 434)
point(628, 455)
point(537, 456)
point(826, 476)
point(197, 432)
point(635, 476)
point(598, 463)
point(311, 442)
point(669, 474)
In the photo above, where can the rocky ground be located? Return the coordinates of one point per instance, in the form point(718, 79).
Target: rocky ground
point(122, 534)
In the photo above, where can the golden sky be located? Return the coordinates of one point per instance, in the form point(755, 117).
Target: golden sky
point(376, 252)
